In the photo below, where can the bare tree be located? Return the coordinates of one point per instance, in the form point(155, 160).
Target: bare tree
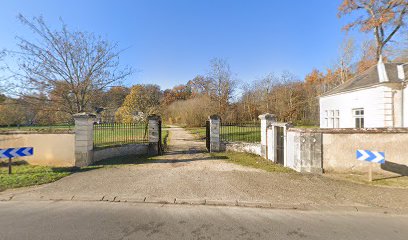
point(345, 59)
point(69, 67)
point(222, 83)
point(384, 17)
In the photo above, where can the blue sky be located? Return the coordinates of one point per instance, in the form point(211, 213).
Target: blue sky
point(169, 42)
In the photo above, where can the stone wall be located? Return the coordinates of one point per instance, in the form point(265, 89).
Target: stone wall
point(335, 149)
point(50, 149)
point(339, 150)
point(303, 151)
point(253, 148)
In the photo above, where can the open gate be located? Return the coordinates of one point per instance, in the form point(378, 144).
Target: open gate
point(207, 134)
point(280, 145)
point(160, 147)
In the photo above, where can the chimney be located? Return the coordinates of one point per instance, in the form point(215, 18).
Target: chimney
point(401, 73)
point(382, 73)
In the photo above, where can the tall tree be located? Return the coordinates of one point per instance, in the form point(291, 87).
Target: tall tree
point(384, 17)
point(73, 65)
point(142, 101)
point(222, 83)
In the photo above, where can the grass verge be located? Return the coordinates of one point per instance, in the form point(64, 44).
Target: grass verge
point(199, 133)
point(24, 175)
point(251, 160)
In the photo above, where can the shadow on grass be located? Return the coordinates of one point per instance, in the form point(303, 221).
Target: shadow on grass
point(13, 163)
point(22, 167)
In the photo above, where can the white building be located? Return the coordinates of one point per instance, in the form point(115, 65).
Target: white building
point(377, 98)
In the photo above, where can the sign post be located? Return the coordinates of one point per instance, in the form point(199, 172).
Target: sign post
point(371, 157)
point(15, 152)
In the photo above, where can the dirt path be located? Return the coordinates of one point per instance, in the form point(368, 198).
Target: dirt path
point(188, 172)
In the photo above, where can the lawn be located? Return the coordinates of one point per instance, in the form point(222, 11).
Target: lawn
point(108, 135)
point(241, 133)
point(24, 175)
point(250, 134)
point(251, 160)
point(64, 127)
point(198, 132)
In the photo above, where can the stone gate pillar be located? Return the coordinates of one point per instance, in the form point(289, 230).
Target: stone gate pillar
point(266, 120)
point(154, 138)
point(84, 138)
point(215, 128)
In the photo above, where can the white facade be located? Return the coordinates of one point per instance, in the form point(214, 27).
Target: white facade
point(381, 107)
point(379, 101)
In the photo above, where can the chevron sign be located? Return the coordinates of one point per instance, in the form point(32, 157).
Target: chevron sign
point(16, 152)
point(371, 156)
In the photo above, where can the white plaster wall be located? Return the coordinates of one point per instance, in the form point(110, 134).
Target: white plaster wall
point(397, 108)
point(371, 99)
point(49, 149)
point(254, 148)
point(405, 107)
point(293, 150)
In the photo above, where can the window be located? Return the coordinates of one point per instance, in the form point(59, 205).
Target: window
point(336, 119)
point(358, 115)
point(332, 118)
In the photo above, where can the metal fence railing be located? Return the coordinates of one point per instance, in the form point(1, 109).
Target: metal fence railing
point(241, 132)
point(115, 134)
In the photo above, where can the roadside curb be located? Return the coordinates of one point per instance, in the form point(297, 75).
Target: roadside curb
point(207, 202)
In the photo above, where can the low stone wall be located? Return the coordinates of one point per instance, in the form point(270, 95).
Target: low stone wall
point(303, 151)
point(339, 150)
point(254, 148)
point(131, 149)
point(50, 149)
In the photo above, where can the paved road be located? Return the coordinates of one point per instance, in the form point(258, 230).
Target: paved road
point(103, 220)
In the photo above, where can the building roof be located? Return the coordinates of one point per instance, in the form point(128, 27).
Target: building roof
point(368, 78)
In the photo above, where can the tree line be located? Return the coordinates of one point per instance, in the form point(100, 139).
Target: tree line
point(64, 72)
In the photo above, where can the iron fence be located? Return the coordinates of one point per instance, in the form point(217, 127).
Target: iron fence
point(241, 132)
point(115, 134)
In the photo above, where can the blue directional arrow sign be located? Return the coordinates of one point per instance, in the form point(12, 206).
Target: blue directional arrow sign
point(371, 156)
point(16, 152)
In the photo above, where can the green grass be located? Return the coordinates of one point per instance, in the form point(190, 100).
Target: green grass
point(119, 134)
point(240, 134)
point(24, 175)
point(39, 128)
point(230, 133)
point(197, 132)
point(251, 160)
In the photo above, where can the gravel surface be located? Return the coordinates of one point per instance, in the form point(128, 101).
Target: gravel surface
point(187, 172)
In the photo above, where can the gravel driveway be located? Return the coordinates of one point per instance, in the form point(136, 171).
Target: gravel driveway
point(186, 172)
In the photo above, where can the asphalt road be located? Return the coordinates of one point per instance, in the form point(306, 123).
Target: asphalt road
point(107, 220)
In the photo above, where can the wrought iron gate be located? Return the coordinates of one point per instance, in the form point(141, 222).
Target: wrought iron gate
point(207, 134)
point(160, 143)
point(280, 146)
